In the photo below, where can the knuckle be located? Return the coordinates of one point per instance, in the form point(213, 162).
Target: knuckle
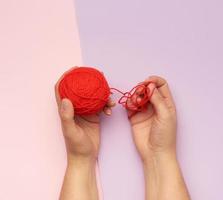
point(169, 115)
point(160, 104)
point(160, 101)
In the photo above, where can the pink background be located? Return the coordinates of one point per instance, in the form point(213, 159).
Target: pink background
point(38, 43)
point(128, 41)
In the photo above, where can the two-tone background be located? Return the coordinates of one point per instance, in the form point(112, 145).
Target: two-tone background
point(127, 40)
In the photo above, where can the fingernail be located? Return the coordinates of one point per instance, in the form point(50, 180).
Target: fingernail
point(109, 112)
point(64, 105)
point(151, 87)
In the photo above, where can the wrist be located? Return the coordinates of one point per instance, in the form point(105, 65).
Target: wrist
point(164, 178)
point(160, 160)
point(158, 171)
point(80, 162)
point(81, 175)
point(83, 169)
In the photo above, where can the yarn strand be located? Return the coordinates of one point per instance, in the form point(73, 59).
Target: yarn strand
point(89, 92)
point(136, 100)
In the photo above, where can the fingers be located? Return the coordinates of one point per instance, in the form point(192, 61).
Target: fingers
point(66, 112)
point(163, 89)
point(108, 108)
point(157, 100)
point(110, 103)
point(107, 111)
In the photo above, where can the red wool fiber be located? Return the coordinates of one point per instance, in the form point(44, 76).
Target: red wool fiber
point(130, 100)
point(87, 89)
point(89, 92)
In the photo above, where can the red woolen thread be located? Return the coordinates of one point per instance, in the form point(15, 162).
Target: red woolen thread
point(87, 89)
point(89, 92)
point(129, 100)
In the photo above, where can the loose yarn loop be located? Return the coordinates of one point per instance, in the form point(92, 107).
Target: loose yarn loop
point(136, 100)
point(87, 89)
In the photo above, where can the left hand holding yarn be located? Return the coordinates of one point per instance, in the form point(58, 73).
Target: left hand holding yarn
point(81, 133)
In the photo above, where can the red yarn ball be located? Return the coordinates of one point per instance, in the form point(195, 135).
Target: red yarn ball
point(87, 89)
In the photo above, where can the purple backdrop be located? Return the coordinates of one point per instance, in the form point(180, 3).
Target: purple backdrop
point(181, 41)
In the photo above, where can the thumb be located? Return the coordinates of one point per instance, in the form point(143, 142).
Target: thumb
point(67, 113)
point(157, 100)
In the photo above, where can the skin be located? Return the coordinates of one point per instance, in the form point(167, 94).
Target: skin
point(154, 134)
point(82, 139)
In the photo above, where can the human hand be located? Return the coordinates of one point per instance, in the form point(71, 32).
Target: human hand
point(81, 133)
point(154, 131)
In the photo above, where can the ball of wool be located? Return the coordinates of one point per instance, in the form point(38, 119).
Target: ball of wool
point(87, 89)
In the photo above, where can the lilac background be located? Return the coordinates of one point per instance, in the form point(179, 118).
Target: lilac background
point(181, 41)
